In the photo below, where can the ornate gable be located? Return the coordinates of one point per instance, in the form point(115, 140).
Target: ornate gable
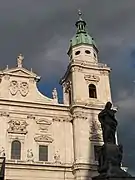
point(19, 72)
point(20, 84)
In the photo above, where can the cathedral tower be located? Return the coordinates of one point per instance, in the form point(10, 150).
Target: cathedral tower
point(86, 88)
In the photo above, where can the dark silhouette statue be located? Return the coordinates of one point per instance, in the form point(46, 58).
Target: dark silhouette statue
point(108, 123)
point(110, 154)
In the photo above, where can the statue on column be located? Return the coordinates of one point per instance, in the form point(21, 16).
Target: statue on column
point(110, 154)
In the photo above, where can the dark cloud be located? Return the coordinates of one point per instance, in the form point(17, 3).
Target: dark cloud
point(41, 30)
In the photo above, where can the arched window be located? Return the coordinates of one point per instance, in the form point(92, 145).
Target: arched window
point(16, 150)
point(92, 91)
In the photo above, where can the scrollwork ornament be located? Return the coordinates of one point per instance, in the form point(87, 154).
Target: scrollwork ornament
point(17, 126)
point(13, 87)
point(24, 88)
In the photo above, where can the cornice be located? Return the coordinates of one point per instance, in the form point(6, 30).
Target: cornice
point(84, 64)
point(38, 105)
point(51, 166)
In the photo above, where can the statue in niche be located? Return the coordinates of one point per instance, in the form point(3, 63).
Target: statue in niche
point(108, 123)
point(2, 152)
point(30, 155)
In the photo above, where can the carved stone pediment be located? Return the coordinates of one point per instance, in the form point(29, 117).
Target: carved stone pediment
point(43, 138)
point(17, 126)
point(92, 77)
point(19, 72)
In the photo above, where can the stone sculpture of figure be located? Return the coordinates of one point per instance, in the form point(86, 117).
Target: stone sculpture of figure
point(29, 155)
point(57, 157)
point(55, 95)
point(2, 152)
point(108, 123)
point(20, 59)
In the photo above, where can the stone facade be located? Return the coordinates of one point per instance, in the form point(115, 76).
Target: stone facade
point(70, 130)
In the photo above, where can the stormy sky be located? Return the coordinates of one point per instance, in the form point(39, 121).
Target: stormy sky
point(41, 30)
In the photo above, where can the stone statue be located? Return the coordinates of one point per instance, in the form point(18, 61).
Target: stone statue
point(110, 154)
point(30, 155)
point(108, 123)
point(57, 157)
point(55, 95)
point(2, 152)
point(20, 59)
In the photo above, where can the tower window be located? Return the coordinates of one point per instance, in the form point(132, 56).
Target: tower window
point(77, 52)
point(96, 152)
point(16, 150)
point(92, 91)
point(43, 153)
point(87, 52)
point(95, 55)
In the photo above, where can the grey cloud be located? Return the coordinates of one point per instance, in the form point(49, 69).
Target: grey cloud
point(41, 30)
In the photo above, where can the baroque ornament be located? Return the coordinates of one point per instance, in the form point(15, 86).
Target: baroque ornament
point(30, 156)
point(43, 124)
point(24, 88)
point(13, 87)
point(95, 131)
point(17, 126)
point(43, 138)
point(92, 77)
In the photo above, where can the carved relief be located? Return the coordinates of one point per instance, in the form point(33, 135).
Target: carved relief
point(62, 119)
point(89, 78)
point(24, 88)
point(77, 68)
point(30, 156)
point(105, 73)
point(80, 115)
point(17, 126)
point(13, 87)
point(67, 86)
point(6, 77)
point(43, 125)
point(4, 114)
point(95, 131)
point(31, 116)
point(57, 157)
point(43, 138)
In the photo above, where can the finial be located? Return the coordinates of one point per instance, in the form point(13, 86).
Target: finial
point(20, 59)
point(80, 14)
point(7, 67)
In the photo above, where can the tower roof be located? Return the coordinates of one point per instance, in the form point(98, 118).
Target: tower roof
point(82, 36)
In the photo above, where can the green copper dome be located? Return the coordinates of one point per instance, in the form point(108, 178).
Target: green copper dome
point(82, 36)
